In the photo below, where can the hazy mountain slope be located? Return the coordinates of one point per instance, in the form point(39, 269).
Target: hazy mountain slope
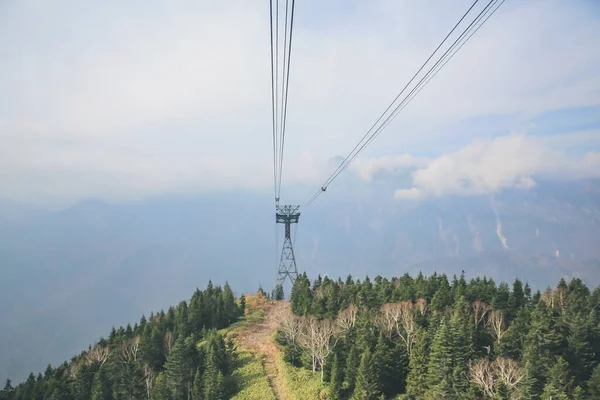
point(67, 276)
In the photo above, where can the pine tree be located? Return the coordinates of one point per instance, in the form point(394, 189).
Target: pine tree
point(581, 355)
point(300, 299)
point(417, 366)
point(593, 384)
point(101, 387)
point(352, 365)
point(278, 292)
point(177, 370)
point(337, 378)
point(559, 383)
point(8, 391)
point(389, 363)
point(213, 377)
point(440, 358)
point(160, 390)
point(367, 380)
point(198, 390)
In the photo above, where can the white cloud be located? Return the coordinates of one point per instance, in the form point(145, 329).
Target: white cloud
point(408, 194)
point(366, 168)
point(131, 99)
point(489, 166)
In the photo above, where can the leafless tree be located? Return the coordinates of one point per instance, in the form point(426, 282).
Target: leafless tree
point(509, 372)
point(308, 338)
point(387, 318)
point(480, 310)
point(496, 320)
point(98, 354)
point(346, 318)
point(318, 337)
point(327, 336)
point(149, 376)
point(488, 374)
point(130, 348)
point(407, 319)
point(290, 325)
point(421, 305)
point(399, 317)
point(482, 374)
point(549, 298)
point(168, 342)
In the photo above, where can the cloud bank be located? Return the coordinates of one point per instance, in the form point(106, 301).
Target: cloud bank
point(486, 166)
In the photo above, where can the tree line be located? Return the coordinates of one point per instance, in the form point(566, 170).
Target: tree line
point(174, 355)
point(436, 338)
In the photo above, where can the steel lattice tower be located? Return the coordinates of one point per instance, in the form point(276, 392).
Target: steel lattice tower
point(287, 264)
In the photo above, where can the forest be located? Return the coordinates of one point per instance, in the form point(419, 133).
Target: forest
point(174, 355)
point(435, 338)
point(401, 338)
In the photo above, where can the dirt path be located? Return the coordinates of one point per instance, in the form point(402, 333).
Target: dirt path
point(257, 337)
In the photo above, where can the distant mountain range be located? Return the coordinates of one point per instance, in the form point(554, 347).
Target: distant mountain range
point(67, 276)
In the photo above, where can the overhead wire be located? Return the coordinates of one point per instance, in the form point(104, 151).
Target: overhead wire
point(420, 85)
point(280, 74)
point(442, 61)
point(285, 90)
point(273, 102)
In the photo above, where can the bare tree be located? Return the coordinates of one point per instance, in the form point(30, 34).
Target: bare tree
point(290, 326)
point(509, 372)
point(327, 335)
point(130, 348)
point(346, 319)
point(496, 320)
point(421, 305)
point(308, 338)
point(149, 376)
point(168, 342)
point(399, 317)
point(480, 310)
point(318, 337)
point(548, 298)
point(98, 354)
point(387, 318)
point(488, 374)
point(407, 319)
point(482, 374)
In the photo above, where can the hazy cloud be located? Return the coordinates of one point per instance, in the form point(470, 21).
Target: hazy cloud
point(129, 99)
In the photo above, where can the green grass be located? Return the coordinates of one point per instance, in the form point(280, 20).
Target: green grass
point(302, 383)
point(251, 379)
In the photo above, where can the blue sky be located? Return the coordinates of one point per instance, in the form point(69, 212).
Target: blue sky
point(128, 100)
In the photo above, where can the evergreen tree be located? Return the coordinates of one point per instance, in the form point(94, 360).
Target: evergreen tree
point(440, 358)
point(559, 383)
point(581, 355)
point(8, 391)
point(278, 293)
point(177, 370)
point(301, 296)
point(242, 304)
point(101, 386)
point(198, 390)
point(367, 379)
point(352, 365)
point(416, 384)
point(336, 379)
point(593, 385)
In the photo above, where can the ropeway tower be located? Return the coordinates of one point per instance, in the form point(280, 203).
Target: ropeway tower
point(287, 264)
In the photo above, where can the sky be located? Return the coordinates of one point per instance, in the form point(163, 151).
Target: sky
point(127, 100)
